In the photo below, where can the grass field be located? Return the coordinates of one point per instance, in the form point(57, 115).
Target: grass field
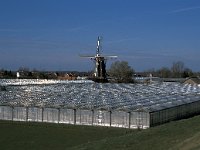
point(31, 136)
point(183, 135)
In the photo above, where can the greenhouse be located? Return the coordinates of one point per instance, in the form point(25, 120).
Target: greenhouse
point(87, 103)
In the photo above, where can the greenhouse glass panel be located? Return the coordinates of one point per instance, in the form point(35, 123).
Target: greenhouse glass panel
point(6, 113)
point(102, 118)
point(19, 113)
point(120, 119)
point(35, 114)
point(67, 116)
point(50, 115)
point(84, 117)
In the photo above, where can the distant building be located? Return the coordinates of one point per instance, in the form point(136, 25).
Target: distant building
point(82, 78)
point(192, 80)
point(68, 76)
point(18, 74)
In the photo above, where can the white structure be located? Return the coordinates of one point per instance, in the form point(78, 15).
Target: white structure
point(89, 103)
point(18, 75)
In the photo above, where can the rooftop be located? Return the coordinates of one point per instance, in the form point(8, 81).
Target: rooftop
point(85, 94)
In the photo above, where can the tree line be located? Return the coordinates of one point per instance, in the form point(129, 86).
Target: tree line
point(120, 71)
point(26, 73)
point(177, 70)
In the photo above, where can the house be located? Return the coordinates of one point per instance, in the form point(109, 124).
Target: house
point(68, 76)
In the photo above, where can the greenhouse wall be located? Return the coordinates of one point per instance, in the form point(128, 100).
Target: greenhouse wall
point(35, 114)
point(67, 116)
point(84, 117)
point(174, 113)
point(19, 113)
point(102, 118)
point(6, 113)
point(120, 119)
point(139, 119)
point(76, 116)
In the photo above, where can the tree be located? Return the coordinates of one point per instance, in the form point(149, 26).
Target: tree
point(177, 69)
point(187, 73)
point(121, 72)
point(164, 72)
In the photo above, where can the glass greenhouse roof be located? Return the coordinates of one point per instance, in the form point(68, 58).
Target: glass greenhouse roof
point(89, 95)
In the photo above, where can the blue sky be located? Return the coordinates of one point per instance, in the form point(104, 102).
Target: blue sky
point(50, 34)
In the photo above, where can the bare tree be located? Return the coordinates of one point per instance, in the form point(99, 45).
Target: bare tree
point(164, 72)
point(177, 69)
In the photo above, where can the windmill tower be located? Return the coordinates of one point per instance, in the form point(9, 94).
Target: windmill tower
point(100, 74)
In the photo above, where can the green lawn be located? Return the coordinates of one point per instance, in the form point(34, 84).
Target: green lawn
point(31, 136)
point(179, 135)
point(183, 135)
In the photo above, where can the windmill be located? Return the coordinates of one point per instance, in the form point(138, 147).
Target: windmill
point(100, 74)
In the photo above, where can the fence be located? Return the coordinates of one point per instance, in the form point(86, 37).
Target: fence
point(76, 116)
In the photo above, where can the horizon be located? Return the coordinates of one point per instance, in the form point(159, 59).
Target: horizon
point(50, 35)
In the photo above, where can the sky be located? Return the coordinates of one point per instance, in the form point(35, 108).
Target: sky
point(52, 34)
